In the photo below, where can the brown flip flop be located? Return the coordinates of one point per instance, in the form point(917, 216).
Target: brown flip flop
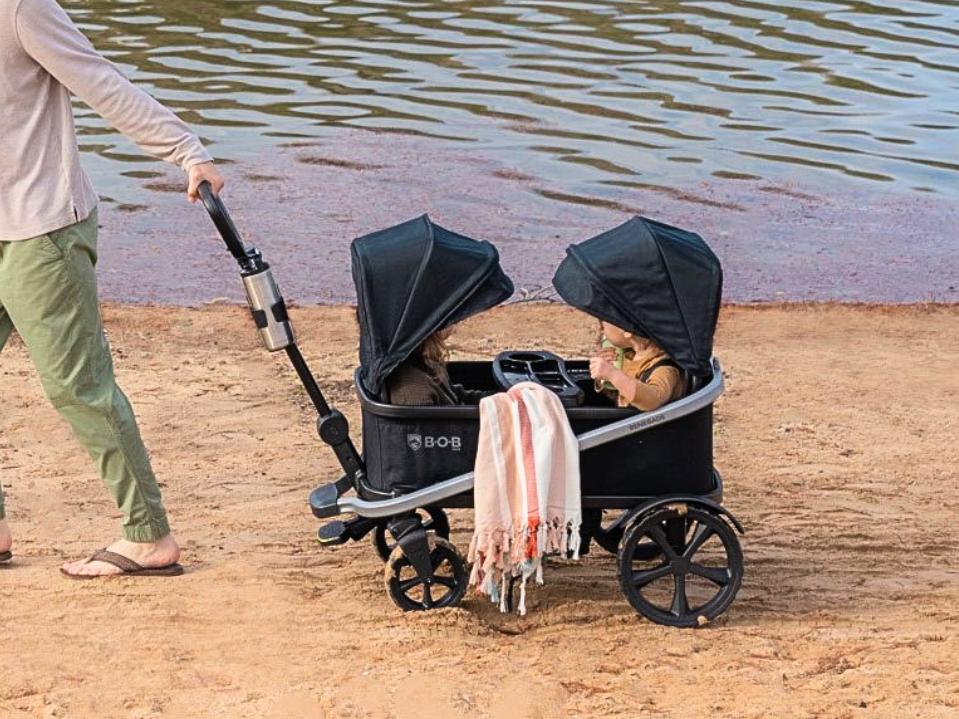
point(127, 567)
point(5, 557)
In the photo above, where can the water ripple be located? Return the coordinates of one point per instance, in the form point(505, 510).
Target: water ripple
point(668, 92)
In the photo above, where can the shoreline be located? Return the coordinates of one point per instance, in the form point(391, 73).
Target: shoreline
point(241, 304)
point(776, 242)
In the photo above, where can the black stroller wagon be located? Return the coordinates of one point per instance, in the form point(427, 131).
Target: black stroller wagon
point(650, 494)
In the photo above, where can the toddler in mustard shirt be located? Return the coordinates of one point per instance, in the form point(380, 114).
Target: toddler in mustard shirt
point(648, 378)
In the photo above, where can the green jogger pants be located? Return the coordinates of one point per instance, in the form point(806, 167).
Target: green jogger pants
point(48, 294)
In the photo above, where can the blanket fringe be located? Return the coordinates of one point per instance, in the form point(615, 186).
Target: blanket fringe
point(493, 553)
point(522, 598)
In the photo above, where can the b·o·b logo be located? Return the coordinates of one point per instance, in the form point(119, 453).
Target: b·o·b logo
point(416, 442)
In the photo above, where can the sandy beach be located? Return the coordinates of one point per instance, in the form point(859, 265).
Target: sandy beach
point(836, 438)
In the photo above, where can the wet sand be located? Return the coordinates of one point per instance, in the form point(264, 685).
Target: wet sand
point(836, 438)
point(303, 204)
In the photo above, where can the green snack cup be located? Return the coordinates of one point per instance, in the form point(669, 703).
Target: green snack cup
point(617, 363)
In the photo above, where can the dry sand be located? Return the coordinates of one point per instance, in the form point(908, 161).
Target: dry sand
point(836, 437)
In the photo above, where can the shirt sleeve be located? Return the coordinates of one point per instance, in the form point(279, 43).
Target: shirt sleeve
point(657, 390)
point(48, 35)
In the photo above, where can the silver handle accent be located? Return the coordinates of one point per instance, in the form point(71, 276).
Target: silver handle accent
point(265, 300)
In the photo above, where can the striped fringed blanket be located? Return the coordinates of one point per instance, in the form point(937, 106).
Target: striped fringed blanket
point(526, 490)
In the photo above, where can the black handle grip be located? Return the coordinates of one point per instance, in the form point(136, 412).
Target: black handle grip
point(224, 224)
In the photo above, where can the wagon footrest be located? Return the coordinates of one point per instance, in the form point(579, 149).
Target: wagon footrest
point(324, 500)
point(340, 532)
point(333, 533)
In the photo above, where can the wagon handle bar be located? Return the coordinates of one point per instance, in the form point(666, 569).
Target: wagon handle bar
point(224, 224)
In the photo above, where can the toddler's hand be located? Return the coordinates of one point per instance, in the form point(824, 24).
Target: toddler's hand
point(600, 368)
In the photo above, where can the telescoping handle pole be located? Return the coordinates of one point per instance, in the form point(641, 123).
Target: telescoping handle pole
point(262, 292)
point(276, 331)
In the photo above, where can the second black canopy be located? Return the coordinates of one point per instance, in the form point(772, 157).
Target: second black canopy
point(651, 279)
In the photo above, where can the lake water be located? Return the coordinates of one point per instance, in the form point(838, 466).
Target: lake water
point(589, 102)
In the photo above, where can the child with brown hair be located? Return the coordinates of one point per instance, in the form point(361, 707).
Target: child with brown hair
point(423, 380)
point(647, 378)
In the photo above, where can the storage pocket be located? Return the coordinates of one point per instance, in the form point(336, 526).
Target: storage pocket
point(47, 246)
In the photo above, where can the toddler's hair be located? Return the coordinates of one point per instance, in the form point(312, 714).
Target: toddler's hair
point(435, 353)
point(433, 350)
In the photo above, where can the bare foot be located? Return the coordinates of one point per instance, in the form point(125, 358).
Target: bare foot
point(161, 553)
point(6, 539)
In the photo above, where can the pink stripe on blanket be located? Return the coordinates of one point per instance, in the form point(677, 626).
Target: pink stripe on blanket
point(529, 465)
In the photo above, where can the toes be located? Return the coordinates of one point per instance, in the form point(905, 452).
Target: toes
point(72, 568)
point(90, 569)
point(99, 569)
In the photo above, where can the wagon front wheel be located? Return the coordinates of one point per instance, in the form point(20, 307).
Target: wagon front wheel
point(434, 519)
point(445, 587)
point(689, 583)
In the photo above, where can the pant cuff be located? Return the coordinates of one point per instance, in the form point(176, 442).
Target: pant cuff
point(149, 533)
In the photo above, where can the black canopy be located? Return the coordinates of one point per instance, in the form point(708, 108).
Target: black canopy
point(651, 279)
point(412, 280)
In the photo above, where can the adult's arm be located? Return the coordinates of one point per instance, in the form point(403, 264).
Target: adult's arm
point(48, 35)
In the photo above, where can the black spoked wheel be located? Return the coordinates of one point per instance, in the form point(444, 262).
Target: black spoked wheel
point(688, 583)
point(434, 520)
point(445, 587)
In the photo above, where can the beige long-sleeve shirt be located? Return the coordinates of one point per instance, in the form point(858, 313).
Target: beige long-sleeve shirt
point(44, 58)
point(656, 384)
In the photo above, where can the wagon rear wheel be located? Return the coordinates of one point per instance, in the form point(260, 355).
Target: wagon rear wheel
point(445, 586)
point(434, 520)
point(689, 583)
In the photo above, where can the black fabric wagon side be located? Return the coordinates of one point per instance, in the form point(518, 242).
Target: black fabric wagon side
point(410, 448)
